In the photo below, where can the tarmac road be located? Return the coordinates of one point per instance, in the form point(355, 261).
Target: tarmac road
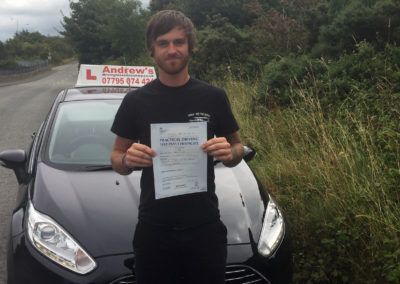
point(22, 109)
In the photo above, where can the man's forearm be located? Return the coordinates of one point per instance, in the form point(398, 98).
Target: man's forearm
point(237, 155)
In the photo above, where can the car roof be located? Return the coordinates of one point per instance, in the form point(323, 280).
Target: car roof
point(95, 93)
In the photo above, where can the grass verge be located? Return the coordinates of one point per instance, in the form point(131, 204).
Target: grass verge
point(331, 174)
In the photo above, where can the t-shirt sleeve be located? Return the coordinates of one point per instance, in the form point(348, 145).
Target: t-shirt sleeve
point(226, 122)
point(124, 121)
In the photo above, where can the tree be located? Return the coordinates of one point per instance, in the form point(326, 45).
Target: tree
point(26, 45)
point(31, 46)
point(223, 48)
point(2, 51)
point(106, 30)
point(59, 48)
point(158, 5)
point(377, 22)
point(200, 11)
point(278, 33)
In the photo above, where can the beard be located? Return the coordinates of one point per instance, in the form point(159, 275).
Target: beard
point(172, 65)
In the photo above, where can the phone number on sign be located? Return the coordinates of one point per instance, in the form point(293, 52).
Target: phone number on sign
point(125, 81)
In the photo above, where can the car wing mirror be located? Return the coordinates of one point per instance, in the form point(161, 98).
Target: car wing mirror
point(249, 153)
point(15, 160)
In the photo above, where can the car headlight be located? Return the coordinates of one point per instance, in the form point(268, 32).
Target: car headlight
point(55, 243)
point(273, 230)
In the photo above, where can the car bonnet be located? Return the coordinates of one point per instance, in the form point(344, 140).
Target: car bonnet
point(99, 209)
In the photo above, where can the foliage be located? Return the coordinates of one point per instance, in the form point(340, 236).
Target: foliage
point(200, 11)
point(235, 36)
point(2, 51)
point(27, 45)
point(8, 64)
point(274, 31)
point(280, 73)
point(377, 22)
point(279, 28)
point(222, 50)
point(335, 174)
point(104, 30)
point(365, 70)
point(59, 49)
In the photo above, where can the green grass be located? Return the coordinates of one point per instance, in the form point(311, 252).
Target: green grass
point(331, 174)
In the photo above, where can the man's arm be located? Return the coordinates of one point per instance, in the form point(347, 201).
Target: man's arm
point(229, 149)
point(127, 154)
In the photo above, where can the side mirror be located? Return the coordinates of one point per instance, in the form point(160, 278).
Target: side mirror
point(15, 160)
point(249, 153)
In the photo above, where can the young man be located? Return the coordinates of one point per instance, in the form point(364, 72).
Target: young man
point(178, 237)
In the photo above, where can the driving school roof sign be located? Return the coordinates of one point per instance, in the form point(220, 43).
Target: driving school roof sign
point(115, 75)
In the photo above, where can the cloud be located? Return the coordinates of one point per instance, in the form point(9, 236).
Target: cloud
point(43, 16)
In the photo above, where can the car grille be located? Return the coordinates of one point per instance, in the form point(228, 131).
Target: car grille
point(240, 274)
point(127, 279)
point(235, 274)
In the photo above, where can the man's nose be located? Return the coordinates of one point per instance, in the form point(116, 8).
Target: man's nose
point(172, 48)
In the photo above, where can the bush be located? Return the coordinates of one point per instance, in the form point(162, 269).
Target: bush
point(331, 174)
point(282, 73)
point(376, 22)
point(225, 50)
point(8, 64)
point(364, 71)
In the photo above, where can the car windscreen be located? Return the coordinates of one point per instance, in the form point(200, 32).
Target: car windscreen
point(81, 136)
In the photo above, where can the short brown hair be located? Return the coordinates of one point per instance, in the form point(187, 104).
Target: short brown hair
point(164, 21)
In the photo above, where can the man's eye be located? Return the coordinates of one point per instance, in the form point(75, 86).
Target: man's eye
point(175, 42)
point(163, 43)
point(179, 42)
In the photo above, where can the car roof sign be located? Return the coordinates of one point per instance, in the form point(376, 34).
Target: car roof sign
point(115, 76)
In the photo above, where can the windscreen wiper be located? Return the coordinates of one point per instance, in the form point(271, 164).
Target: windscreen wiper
point(94, 168)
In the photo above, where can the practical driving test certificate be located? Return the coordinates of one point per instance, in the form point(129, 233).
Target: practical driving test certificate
point(180, 166)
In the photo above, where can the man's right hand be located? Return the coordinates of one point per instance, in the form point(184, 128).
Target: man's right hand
point(128, 154)
point(139, 155)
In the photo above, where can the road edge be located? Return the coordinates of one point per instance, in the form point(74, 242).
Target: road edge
point(26, 78)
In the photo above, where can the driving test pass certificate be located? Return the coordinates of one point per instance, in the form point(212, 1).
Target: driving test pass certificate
point(180, 166)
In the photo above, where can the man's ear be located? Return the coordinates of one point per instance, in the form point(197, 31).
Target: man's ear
point(152, 50)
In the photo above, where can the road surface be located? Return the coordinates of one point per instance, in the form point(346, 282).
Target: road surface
point(22, 109)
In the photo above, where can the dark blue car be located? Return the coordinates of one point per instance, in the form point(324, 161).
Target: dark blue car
point(75, 217)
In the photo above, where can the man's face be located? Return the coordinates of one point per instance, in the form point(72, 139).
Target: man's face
point(171, 51)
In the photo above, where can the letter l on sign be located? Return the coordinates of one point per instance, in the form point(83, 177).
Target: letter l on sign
point(89, 75)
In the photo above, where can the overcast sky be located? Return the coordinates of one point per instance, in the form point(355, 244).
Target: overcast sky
point(43, 16)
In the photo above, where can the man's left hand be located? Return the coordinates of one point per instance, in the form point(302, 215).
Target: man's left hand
point(219, 148)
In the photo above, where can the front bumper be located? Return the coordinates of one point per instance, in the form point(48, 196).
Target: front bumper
point(277, 269)
point(27, 265)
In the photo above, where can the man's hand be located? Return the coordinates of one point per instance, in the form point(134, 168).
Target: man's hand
point(219, 148)
point(127, 154)
point(139, 155)
point(229, 150)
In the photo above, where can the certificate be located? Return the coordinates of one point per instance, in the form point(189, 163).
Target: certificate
point(180, 166)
